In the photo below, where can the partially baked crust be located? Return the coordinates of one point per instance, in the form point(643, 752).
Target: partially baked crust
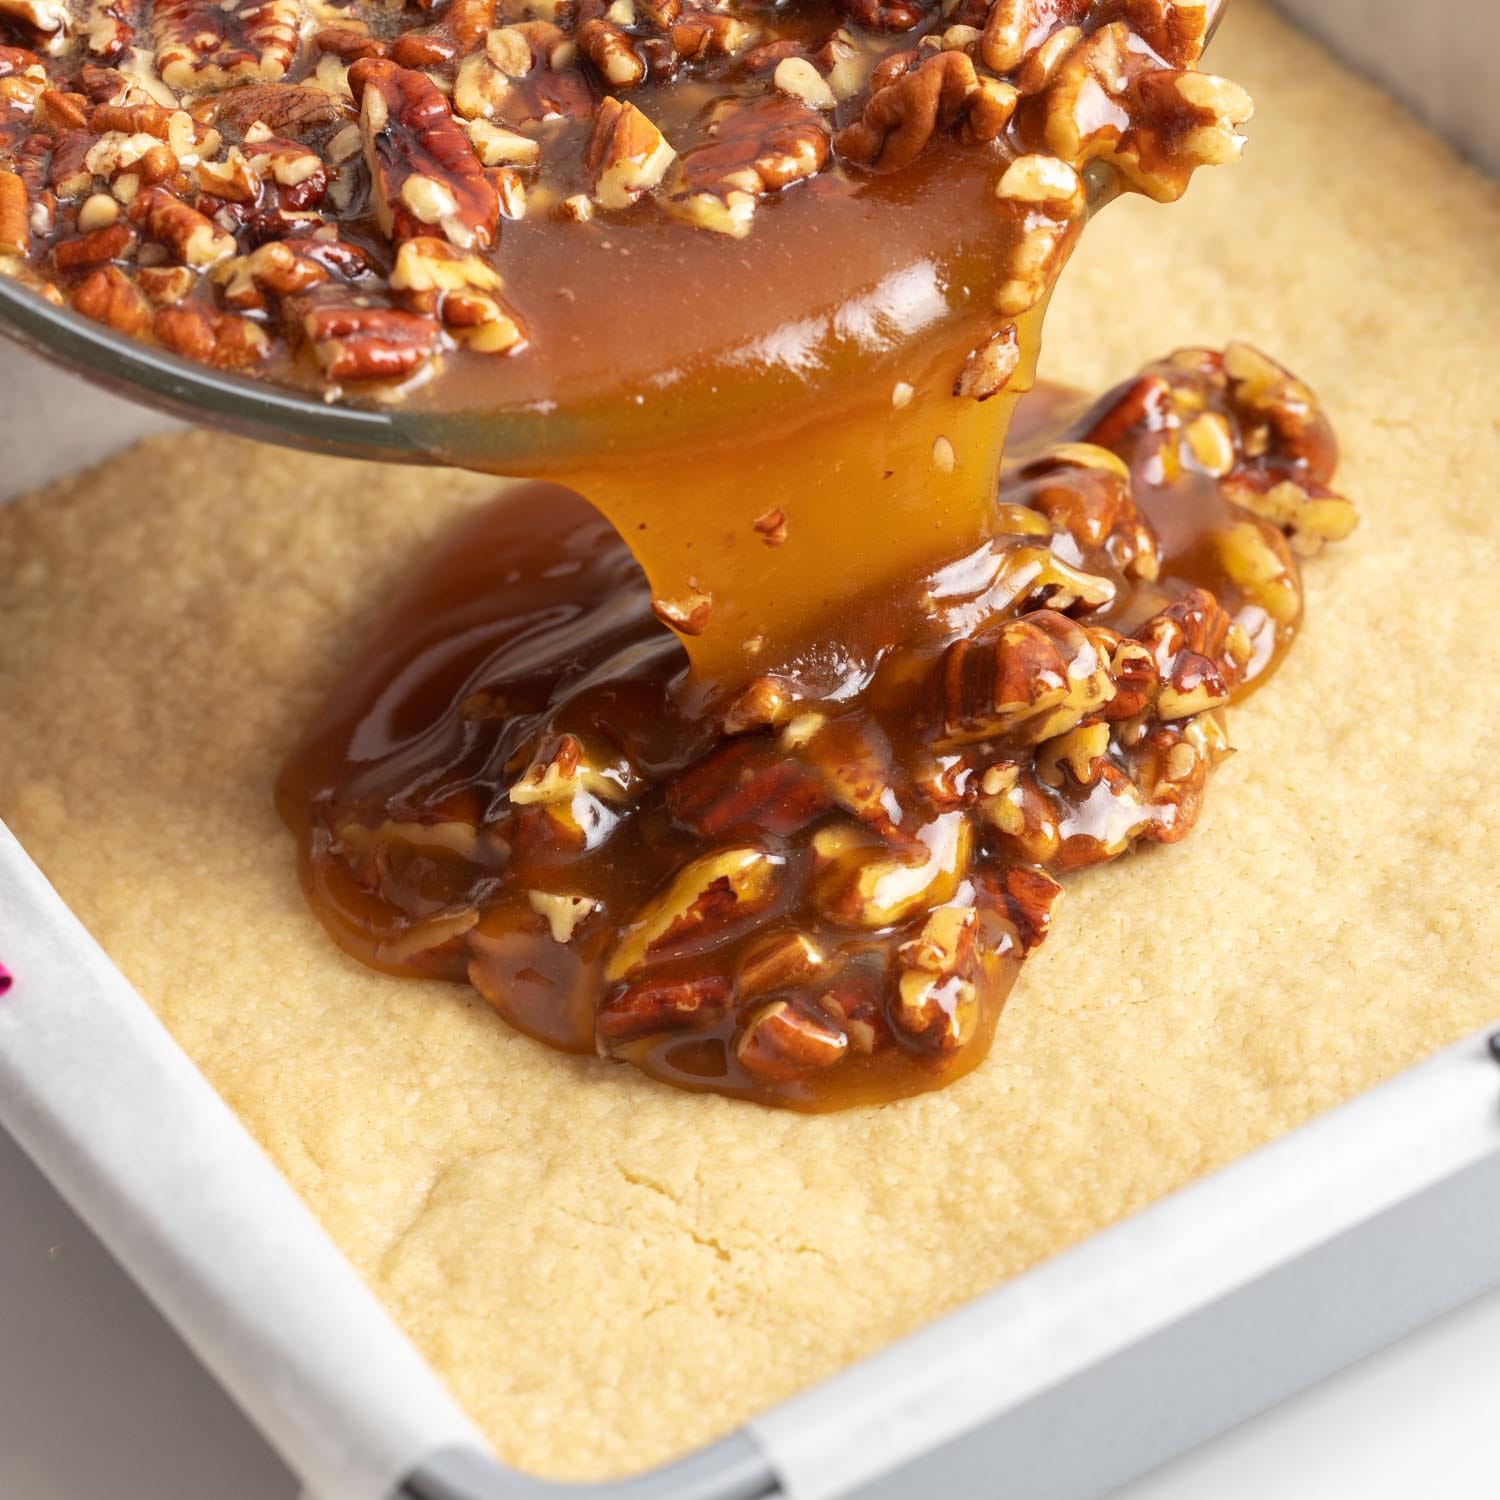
point(609, 1272)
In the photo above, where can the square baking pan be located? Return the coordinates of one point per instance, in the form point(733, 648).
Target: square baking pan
point(1156, 1333)
point(1211, 1305)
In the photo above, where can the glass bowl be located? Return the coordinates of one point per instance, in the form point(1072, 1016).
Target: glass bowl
point(271, 412)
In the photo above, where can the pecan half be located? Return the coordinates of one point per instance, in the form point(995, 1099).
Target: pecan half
point(288, 109)
point(943, 93)
point(203, 46)
point(424, 174)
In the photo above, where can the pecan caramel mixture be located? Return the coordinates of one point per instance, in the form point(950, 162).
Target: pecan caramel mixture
point(814, 903)
point(319, 191)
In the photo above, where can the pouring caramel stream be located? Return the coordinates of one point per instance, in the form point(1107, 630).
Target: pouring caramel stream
point(802, 380)
point(759, 773)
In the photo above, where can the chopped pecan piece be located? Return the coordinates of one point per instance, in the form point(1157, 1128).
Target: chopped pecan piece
point(944, 972)
point(1310, 514)
point(44, 16)
point(781, 962)
point(1111, 102)
point(710, 900)
point(707, 33)
point(56, 111)
point(987, 370)
point(626, 154)
point(110, 28)
point(355, 342)
point(462, 290)
point(1027, 897)
point(1174, 29)
point(1046, 200)
point(97, 211)
point(109, 243)
point(758, 149)
point(1256, 556)
point(14, 60)
point(1085, 490)
point(280, 267)
point(211, 337)
point(173, 127)
point(886, 15)
point(785, 1040)
point(867, 882)
point(562, 913)
point(747, 786)
point(15, 215)
point(108, 296)
point(461, 27)
point(1028, 679)
point(498, 147)
point(1016, 29)
point(193, 239)
point(166, 286)
point(1280, 419)
point(690, 614)
point(69, 174)
point(799, 79)
point(1198, 651)
point(609, 47)
point(424, 174)
point(651, 1005)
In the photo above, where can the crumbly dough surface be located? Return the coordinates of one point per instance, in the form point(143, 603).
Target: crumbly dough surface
point(608, 1272)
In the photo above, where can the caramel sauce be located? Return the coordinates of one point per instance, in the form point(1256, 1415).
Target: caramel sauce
point(691, 389)
point(755, 766)
point(819, 892)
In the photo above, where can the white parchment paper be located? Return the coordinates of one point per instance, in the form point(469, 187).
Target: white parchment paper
point(99, 1095)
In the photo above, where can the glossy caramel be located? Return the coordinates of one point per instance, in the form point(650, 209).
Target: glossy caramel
point(531, 621)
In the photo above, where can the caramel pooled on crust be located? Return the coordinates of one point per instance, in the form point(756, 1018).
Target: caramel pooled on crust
point(820, 894)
